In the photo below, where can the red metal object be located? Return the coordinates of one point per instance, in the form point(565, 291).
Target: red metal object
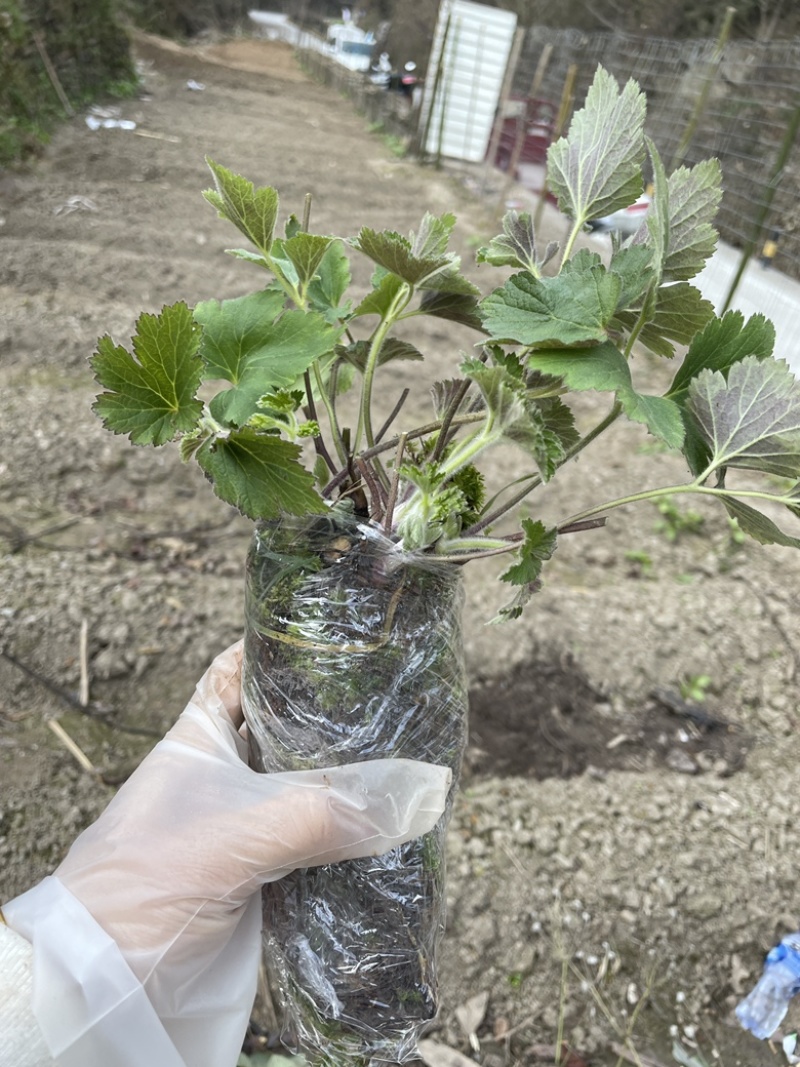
point(539, 118)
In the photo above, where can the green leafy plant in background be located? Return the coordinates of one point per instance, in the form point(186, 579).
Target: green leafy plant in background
point(296, 372)
point(695, 687)
point(676, 522)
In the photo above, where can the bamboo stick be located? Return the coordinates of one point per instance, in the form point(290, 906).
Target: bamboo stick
point(38, 40)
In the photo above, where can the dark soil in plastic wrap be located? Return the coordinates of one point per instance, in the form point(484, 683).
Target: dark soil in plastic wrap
point(352, 653)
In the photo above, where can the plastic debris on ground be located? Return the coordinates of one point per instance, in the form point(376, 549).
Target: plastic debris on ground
point(196, 87)
point(789, 1045)
point(108, 118)
point(75, 203)
point(763, 1009)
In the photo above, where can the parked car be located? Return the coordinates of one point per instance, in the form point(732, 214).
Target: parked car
point(626, 221)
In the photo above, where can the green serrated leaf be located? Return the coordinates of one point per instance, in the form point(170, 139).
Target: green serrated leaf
point(752, 420)
point(282, 264)
point(597, 168)
point(603, 368)
point(257, 346)
point(433, 235)
point(380, 300)
point(722, 343)
point(357, 352)
point(541, 427)
point(757, 525)
point(516, 246)
point(680, 312)
point(572, 308)
point(394, 253)
point(503, 393)
point(662, 417)
point(559, 420)
point(150, 394)
point(533, 435)
point(694, 197)
point(444, 393)
point(306, 252)
point(634, 267)
point(253, 211)
point(260, 474)
point(456, 307)
point(327, 290)
point(538, 547)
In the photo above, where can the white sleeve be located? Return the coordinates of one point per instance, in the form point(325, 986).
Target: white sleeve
point(93, 1011)
point(21, 1041)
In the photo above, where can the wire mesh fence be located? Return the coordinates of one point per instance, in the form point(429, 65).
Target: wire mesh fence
point(738, 102)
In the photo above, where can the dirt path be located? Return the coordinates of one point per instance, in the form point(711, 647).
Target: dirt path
point(655, 854)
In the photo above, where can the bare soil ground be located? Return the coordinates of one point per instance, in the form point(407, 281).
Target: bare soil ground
point(617, 866)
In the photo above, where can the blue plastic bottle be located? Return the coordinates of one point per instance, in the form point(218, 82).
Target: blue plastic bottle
point(762, 1010)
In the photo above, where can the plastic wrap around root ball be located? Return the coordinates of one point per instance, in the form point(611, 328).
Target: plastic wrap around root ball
point(353, 652)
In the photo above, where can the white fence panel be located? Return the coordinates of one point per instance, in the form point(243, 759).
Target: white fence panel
point(470, 52)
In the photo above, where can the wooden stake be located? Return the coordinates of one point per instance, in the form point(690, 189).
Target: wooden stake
point(522, 125)
point(505, 93)
point(564, 110)
point(38, 40)
point(75, 751)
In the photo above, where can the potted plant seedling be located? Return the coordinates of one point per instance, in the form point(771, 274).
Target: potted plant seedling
point(353, 645)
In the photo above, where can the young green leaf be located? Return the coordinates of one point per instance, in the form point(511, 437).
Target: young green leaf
point(752, 420)
point(395, 253)
point(516, 246)
point(722, 343)
point(433, 235)
point(694, 197)
point(259, 474)
point(253, 211)
point(327, 290)
point(257, 346)
point(597, 168)
point(519, 417)
point(445, 393)
point(306, 252)
point(571, 308)
point(150, 394)
point(538, 546)
point(379, 301)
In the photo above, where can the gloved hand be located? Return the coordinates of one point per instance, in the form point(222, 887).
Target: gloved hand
point(170, 873)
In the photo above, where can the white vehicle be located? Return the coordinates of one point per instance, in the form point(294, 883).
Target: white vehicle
point(626, 221)
point(350, 46)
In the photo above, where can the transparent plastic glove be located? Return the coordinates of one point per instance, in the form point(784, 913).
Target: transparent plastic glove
point(170, 874)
